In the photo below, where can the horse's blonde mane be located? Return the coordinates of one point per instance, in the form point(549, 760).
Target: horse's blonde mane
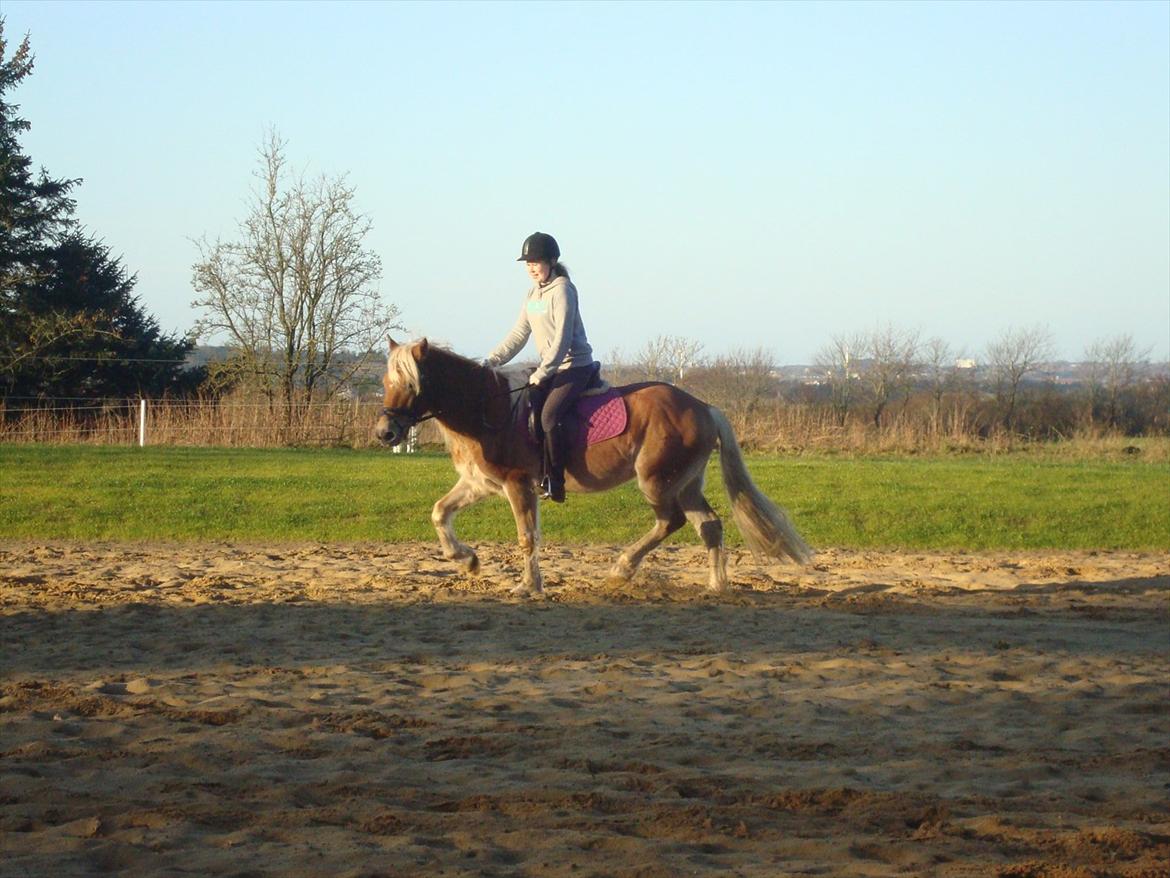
point(402, 369)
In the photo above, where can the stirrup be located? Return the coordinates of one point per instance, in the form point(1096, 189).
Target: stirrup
point(550, 492)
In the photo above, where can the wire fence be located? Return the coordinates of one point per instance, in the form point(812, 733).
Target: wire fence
point(960, 425)
point(196, 422)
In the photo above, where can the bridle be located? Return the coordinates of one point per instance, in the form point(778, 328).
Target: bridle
point(410, 414)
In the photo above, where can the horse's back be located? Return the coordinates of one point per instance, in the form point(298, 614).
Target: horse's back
point(662, 394)
point(670, 413)
point(668, 432)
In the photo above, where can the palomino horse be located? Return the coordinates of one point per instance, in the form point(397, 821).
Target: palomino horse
point(666, 444)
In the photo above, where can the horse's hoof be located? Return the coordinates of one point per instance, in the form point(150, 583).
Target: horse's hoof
point(471, 565)
point(620, 573)
point(525, 590)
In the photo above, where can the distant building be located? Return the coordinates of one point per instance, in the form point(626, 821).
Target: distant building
point(965, 363)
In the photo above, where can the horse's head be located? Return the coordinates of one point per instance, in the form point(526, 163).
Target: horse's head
point(403, 400)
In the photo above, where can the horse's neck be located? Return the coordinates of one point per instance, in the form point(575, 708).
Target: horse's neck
point(514, 378)
point(466, 395)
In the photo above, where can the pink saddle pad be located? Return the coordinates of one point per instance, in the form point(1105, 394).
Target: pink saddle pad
point(600, 417)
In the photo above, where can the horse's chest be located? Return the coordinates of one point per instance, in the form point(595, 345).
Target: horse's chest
point(478, 476)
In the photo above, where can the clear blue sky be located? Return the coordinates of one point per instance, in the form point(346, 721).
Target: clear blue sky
point(748, 175)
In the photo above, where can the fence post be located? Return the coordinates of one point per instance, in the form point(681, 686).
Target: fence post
point(141, 423)
point(409, 444)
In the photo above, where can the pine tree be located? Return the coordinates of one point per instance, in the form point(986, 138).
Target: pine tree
point(70, 325)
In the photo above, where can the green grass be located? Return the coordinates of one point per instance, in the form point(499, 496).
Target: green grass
point(91, 492)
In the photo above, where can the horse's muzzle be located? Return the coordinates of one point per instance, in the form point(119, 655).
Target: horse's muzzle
point(388, 430)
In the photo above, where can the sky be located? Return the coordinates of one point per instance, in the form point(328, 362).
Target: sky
point(746, 175)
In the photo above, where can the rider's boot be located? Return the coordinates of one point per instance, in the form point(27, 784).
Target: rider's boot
point(554, 481)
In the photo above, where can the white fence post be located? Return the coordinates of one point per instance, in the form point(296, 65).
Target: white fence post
point(141, 423)
point(410, 444)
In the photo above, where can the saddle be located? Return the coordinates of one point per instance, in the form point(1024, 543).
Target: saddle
point(599, 412)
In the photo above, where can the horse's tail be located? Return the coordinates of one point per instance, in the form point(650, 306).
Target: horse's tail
point(764, 525)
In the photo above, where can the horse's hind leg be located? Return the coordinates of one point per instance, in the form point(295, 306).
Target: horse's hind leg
point(669, 518)
point(704, 520)
point(465, 492)
point(526, 510)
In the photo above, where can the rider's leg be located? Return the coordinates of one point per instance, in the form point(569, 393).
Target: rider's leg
point(564, 389)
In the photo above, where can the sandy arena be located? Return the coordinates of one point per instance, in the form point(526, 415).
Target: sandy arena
point(366, 710)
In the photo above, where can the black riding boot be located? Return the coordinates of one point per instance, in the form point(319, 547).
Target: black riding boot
point(554, 464)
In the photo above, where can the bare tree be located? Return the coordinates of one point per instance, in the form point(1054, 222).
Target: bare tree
point(737, 382)
point(892, 357)
point(945, 376)
point(668, 357)
point(1113, 365)
point(939, 361)
point(838, 360)
point(298, 287)
point(1011, 357)
point(618, 369)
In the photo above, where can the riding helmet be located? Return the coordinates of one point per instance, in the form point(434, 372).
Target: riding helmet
point(539, 247)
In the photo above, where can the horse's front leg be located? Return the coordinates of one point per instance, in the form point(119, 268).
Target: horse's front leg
point(466, 492)
point(521, 494)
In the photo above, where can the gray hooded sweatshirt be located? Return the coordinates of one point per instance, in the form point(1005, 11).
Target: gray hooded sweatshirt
point(550, 315)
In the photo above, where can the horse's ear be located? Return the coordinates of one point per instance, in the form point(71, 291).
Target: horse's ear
point(420, 349)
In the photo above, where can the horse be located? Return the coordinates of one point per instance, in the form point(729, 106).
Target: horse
point(668, 439)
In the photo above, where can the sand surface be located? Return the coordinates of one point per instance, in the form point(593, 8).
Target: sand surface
point(365, 710)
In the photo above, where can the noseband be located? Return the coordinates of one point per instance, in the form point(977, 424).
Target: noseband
point(411, 414)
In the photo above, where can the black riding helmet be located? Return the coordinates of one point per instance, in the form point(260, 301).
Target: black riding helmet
point(539, 247)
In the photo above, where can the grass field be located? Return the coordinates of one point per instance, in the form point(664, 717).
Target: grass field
point(945, 503)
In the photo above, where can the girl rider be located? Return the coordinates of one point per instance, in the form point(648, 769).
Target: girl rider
point(551, 316)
